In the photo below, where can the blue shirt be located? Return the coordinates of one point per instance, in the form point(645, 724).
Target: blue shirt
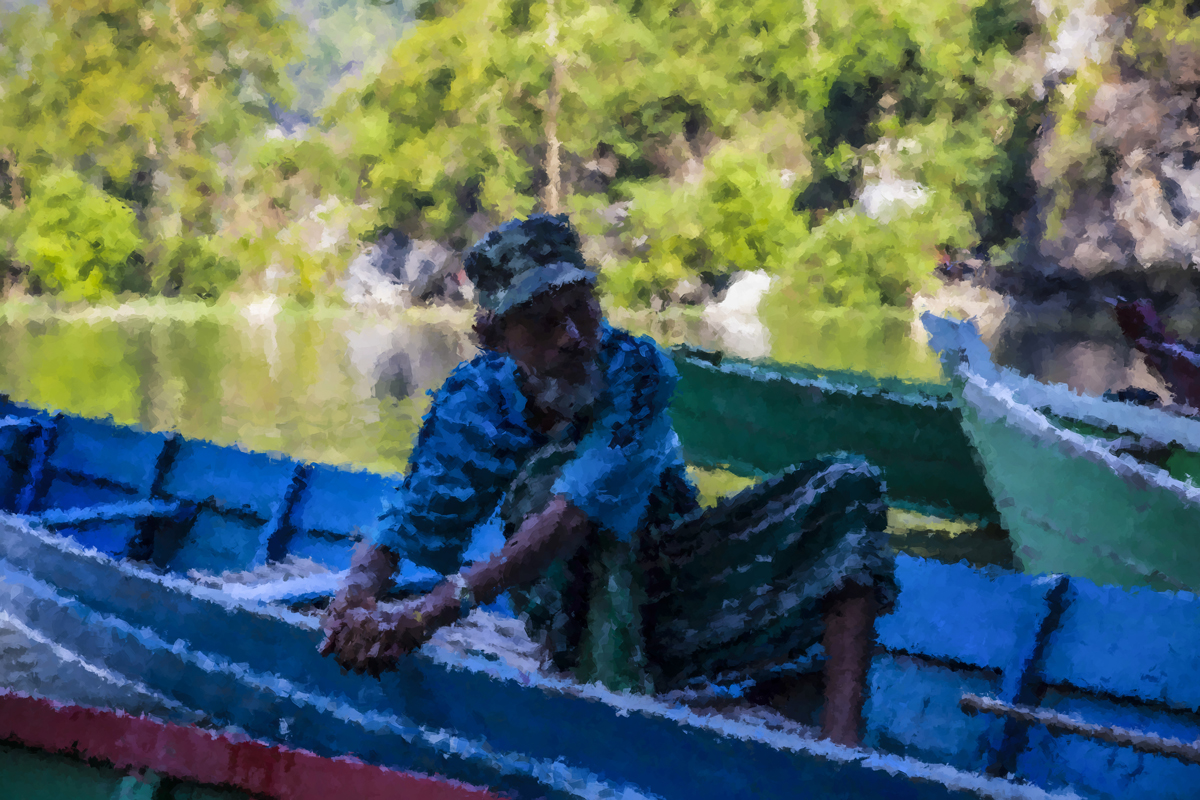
point(475, 439)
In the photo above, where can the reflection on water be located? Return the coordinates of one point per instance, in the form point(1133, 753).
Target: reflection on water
point(331, 387)
point(336, 390)
point(881, 344)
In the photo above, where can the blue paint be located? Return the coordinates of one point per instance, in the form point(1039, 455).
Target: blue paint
point(100, 452)
point(111, 539)
point(273, 539)
point(230, 479)
point(1133, 643)
point(342, 502)
point(64, 492)
point(107, 513)
point(971, 630)
point(15, 434)
point(334, 554)
point(1020, 685)
point(982, 618)
point(217, 543)
point(40, 448)
point(623, 748)
point(913, 709)
point(1097, 769)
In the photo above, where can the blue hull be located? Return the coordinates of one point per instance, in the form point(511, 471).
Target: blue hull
point(138, 511)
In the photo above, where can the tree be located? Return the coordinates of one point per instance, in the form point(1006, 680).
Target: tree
point(77, 240)
point(727, 136)
point(144, 101)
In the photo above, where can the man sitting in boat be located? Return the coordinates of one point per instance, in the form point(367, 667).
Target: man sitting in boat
point(561, 426)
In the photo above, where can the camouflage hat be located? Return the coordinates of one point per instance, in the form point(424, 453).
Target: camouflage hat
point(523, 258)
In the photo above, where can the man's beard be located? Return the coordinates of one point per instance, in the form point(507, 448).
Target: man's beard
point(563, 397)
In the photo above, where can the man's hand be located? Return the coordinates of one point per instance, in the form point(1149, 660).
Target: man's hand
point(401, 632)
point(350, 624)
point(367, 640)
point(372, 641)
point(350, 635)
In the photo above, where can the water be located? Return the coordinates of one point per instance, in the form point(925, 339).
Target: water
point(339, 389)
point(331, 386)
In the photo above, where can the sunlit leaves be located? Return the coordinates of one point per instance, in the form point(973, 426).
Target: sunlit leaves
point(144, 100)
point(77, 240)
point(718, 116)
point(731, 135)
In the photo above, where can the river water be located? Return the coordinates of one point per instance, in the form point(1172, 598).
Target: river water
point(328, 386)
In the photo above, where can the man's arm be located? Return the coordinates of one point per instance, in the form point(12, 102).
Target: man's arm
point(375, 642)
point(458, 470)
point(370, 575)
point(461, 464)
point(607, 483)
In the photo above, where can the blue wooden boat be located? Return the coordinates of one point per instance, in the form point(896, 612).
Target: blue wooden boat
point(985, 683)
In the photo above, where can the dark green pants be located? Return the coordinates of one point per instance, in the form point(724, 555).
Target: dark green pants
point(737, 591)
point(726, 594)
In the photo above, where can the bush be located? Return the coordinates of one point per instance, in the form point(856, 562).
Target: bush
point(76, 240)
point(194, 267)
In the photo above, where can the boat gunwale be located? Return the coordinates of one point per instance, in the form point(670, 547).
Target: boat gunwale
point(621, 704)
point(1037, 424)
point(1162, 425)
point(761, 373)
point(1139, 420)
point(1138, 475)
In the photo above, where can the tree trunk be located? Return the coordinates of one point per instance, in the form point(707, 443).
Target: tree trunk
point(810, 22)
point(553, 162)
point(12, 177)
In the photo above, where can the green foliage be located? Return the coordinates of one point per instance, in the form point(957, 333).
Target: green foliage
point(738, 213)
point(194, 267)
point(854, 261)
point(109, 86)
point(733, 133)
point(77, 240)
point(144, 100)
point(733, 136)
point(1159, 28)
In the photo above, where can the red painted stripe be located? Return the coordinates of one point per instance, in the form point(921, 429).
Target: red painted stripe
point(200, 756)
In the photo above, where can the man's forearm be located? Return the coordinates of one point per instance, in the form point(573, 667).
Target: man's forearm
point(369, 577)
point(556, 531)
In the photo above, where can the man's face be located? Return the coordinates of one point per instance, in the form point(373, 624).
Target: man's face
point(557, 334)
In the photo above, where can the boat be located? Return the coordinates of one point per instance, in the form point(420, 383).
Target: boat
point(774, 415)
point(1084, 485)
point(59, 751)
point(172, 568)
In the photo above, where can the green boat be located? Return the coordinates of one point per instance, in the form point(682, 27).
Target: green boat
point(773, 416)
point(1085, 486)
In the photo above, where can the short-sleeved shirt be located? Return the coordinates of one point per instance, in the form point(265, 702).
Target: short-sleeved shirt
point(475, 440)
